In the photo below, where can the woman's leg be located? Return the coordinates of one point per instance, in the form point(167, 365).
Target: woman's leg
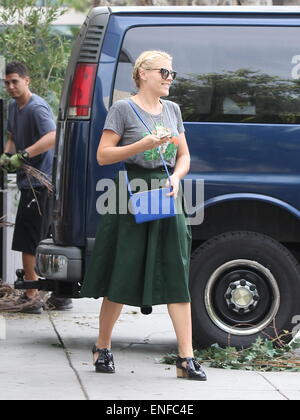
point(109, 313)
point(180, 314)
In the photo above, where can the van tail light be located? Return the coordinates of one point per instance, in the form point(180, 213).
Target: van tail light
point(82, 91)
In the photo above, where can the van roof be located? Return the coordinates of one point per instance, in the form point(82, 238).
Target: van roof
point(201, 9)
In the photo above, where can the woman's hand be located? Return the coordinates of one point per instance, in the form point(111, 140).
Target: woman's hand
point(175, 183)
point(152, 141)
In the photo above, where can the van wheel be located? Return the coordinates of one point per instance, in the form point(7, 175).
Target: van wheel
point(243, 284)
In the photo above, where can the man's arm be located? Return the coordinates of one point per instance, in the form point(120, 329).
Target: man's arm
point(9, 145)
point(45, 143)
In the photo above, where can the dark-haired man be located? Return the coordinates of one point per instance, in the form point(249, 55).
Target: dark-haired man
point(31, 139)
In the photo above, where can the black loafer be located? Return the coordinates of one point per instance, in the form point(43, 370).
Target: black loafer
point(105, 360)
point(193, 369)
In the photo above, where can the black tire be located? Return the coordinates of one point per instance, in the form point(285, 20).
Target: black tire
point(272, 275)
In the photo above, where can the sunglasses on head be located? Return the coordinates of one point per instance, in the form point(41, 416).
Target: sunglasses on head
point(165, 73)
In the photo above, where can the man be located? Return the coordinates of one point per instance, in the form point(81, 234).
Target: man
point(31, 139)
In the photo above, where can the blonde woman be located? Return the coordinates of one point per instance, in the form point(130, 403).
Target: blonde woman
point(144, 264)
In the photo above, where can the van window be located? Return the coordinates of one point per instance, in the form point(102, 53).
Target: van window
point(225, 73)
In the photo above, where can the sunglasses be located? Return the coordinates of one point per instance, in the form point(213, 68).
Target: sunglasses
point(165, 73)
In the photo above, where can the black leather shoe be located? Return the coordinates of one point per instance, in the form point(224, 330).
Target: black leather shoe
point(105, 360)
point(193, 369)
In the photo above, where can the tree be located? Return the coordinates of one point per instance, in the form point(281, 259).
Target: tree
point(79, 5)
point(28, 37)
point(85, 5)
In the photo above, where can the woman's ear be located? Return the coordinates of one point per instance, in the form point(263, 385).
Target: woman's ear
point(142, 74)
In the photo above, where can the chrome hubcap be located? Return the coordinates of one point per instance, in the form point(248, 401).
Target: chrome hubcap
point(242, 296)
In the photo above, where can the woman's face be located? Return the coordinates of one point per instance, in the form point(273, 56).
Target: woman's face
point(154, 80)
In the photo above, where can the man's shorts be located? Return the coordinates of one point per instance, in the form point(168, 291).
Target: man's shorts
point(32, 221)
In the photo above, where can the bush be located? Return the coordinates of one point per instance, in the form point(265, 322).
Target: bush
point(26, 35)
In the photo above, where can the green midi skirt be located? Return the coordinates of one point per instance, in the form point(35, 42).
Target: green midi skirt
point(140, 264)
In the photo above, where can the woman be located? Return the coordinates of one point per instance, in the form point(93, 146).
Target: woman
point(144, 264)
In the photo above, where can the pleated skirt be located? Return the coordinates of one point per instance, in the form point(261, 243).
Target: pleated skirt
point(140, 264)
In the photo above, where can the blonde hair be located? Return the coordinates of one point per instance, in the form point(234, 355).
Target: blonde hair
point(145, 60)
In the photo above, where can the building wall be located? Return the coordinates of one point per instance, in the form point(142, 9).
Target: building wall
point(11, 259)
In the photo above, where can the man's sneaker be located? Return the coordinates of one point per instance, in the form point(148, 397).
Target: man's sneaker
point(58, 304)
point(30, 305)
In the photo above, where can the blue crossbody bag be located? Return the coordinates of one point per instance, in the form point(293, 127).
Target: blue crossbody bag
point(150, 205)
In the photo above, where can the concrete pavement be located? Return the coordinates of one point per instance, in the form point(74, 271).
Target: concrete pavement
point(48, 357)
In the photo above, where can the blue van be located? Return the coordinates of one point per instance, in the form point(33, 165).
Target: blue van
point(238, 87)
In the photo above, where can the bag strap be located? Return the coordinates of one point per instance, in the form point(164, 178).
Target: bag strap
point(161, 155)
point(140, 117)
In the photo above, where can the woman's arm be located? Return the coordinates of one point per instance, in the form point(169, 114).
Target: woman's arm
point(109, 152)
point(182, 165)
point(183, 158)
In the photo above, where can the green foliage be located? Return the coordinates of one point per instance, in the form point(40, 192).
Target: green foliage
point(79, 5)
point(26, 35)
point(264, 355)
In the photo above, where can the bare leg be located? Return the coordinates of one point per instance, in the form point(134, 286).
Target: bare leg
point(180, 314)
point(109, 313)
point(30, 274)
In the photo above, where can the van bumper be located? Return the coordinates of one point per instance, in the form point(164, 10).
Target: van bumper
point(60, 269)
point(56, 262)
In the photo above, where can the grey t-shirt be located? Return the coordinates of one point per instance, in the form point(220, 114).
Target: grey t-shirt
point(122, 119)
point(27, 125)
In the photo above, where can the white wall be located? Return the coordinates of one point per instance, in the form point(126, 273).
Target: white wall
point(11, 259)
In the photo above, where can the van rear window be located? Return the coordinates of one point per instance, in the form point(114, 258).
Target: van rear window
point(242, 74)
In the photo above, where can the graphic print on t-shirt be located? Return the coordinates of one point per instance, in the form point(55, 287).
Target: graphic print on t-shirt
point(168, 149)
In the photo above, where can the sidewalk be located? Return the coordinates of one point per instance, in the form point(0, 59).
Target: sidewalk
point(48, 357)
